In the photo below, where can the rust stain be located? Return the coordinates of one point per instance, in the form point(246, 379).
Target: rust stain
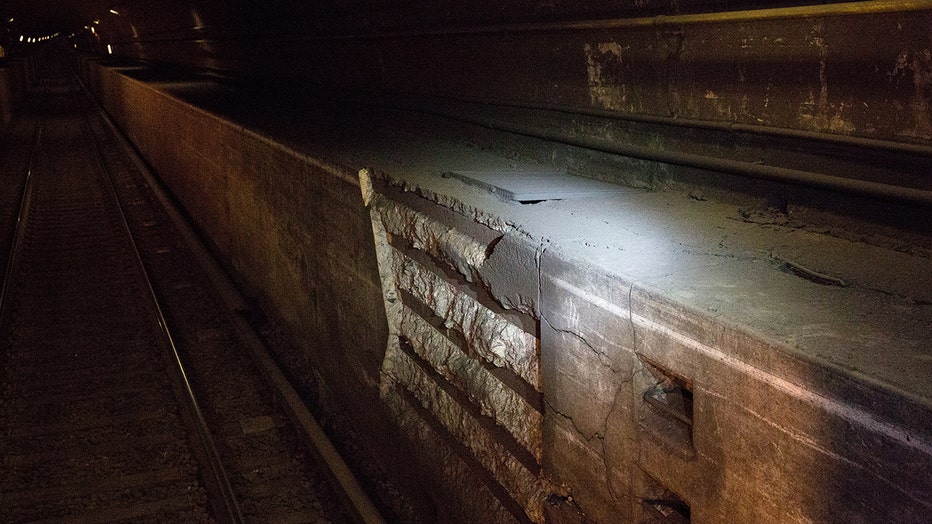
point(918, 65)
point(604, 65)
point(817, 113)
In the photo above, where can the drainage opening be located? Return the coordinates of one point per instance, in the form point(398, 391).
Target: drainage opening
point(667, 409)
point(660, 505)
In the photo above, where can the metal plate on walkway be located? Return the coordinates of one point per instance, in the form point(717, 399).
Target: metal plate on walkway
point(535, 185)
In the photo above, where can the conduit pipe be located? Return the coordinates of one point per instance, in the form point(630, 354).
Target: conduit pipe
point(886, 192)
point(730, 127)
point(875, 7)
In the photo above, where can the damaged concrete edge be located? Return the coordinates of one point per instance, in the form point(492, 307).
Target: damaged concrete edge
point(642, 320)
point(644, 310)
point(848, 412)
point(483, 261)
point(481, 216)
point(451, 380)
point(497, 340)
point(383, 253)
point(494, 399)
point(521, 484)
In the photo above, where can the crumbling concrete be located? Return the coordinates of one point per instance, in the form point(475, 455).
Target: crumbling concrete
point(457, 348)
point(797, 401)
point(754, 418)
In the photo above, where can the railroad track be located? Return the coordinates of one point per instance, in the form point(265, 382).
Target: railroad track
point(129, 391)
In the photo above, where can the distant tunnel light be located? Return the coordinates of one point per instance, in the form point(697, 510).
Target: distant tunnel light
point(21, 38)
point(93, 30)
point(109, 49)
point(114, 11)
point(198, 21)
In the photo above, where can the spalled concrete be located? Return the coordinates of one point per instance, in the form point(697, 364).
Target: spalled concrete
point(515, 343)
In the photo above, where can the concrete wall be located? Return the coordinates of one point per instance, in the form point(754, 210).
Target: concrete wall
point(860, 71)
point(762, 436)
point(291, 227)
point(534, 385)
point(768, 441)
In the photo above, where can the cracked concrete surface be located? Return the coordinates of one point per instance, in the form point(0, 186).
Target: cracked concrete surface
point(447, 348)
point(692, 284)
point(493, 398)
point(492, 337)
point(796, 288)
point(516, 478)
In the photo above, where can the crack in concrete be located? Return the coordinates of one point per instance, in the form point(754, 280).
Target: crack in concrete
point(604, 359)
point(731, 256)
point(606, 456)
point(779, 264)
point(580, 432)
point(634, 333)
point(538, 255)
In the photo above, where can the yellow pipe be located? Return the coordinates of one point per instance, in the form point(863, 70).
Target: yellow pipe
point(757, 15)
point(749, 15)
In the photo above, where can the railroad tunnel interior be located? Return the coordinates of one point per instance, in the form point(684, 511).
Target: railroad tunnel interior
point(600, 261)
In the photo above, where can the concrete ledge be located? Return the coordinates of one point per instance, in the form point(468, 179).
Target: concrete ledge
point(686, 355)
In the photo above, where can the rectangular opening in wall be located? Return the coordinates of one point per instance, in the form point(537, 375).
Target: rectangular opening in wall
point(667, 409)
point(659, 505)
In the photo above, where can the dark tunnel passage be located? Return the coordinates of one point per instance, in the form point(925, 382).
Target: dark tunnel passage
point(533, 261)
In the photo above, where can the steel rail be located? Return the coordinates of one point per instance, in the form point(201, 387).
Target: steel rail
point(218, 477)
point(19, 233)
